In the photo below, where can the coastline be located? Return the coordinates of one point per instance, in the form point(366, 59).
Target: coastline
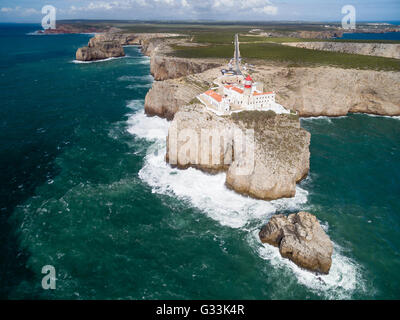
point(159, 232)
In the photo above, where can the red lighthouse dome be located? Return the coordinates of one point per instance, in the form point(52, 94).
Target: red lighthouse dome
point(248, 82)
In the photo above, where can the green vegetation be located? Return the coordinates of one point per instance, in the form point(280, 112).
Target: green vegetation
point(217, 42)
point(253, 117)
point(201, 85)
point(276, 52)
point(290, 39)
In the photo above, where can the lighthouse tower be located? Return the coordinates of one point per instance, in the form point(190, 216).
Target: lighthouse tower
point(248, 82)
point(248, 85)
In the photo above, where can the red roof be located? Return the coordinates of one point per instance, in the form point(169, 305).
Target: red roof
point(237, 90)
point(214, 95)
point(261, 93)
point(249, 78)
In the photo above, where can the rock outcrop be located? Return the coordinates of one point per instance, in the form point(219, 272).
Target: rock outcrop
point(316, 34)
point(100, 47)
point(264, 154)
point(301, 239)
point(110, 44)
point(328, 91)
point(165, 67)
point(388, 50)
point(166, 97)
point(281, 157)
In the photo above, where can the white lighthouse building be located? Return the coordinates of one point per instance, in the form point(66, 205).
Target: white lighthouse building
point(236, 98)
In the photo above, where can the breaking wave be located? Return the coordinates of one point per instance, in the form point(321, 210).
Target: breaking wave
point(96, 61)
point(234, 210)
point(343, 280)
point(147, 78)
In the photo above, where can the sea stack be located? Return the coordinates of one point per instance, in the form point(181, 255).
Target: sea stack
point(301, 239)
point(100, 47)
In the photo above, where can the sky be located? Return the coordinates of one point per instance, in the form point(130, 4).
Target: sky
point(233, 10)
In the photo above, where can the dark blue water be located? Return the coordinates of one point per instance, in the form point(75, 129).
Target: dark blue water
point(85, 188)
point(372, 36)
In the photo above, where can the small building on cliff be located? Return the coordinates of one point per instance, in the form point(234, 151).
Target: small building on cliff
point(237, 97)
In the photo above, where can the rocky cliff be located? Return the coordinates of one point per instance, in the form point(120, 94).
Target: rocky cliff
point(319, 91)
point(388, 50)
point(281, 157)
point(110, 44)
point(316, 34)
point(166, 97)
point(100, 47)
point(264, 154)
point(328, 91)
point(301, 239)
point(165, 67)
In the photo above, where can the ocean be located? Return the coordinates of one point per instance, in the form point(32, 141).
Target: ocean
point(371, 36)
point(85, 188)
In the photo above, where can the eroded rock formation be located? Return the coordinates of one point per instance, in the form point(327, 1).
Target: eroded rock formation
point(301, 239)
point(388, 50)
point(264, 154)
point(100, 47)
point(328, 91)
point(165, 67)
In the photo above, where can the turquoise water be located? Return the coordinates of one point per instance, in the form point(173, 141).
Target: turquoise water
point(84, 187)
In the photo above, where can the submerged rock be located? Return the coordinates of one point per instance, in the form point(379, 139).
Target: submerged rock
point(301, 239)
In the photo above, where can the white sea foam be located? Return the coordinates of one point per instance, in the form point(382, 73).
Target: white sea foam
point(343, 280)
point(41, 33)
point(150, 128)
point(96, 61)
point(139, 86)
point(380, 116)
point(147, 78)
point(209, 194)
point(204, 191)
point(141, 60)
point(135, 104)
point(328, 119)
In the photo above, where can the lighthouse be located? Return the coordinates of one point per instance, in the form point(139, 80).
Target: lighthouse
point(248, 82)
point(248, 86)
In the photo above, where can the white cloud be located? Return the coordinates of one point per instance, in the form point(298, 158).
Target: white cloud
point(6, 9)
point(20, 11)
point(263, 6)
point(190, 7)
point(158, 9)
point(271, 10)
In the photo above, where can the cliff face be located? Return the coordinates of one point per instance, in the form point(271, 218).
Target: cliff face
point(388, 50)
point(316, 34)
point(326, 91)
point(101, 47)
point(166, 97)
point(281, 157)
point(164, 67)
point(264, 154)
point(110, 44)
point(321, 91)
